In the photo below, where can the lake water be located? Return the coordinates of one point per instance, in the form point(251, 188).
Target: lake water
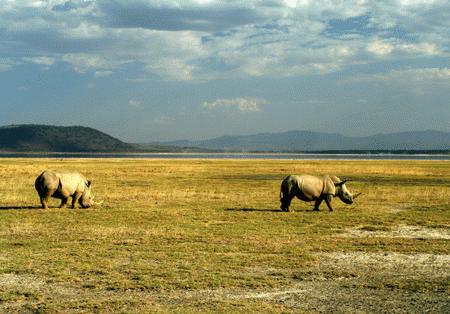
point(287, 156)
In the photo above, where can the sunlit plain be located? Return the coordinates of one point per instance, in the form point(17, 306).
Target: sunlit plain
point(190, 235)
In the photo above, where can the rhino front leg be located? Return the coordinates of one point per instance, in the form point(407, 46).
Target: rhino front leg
point(75, 199)
point(328, 201)
point(317, 204)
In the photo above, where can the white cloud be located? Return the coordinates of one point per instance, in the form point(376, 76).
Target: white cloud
point(6, 64)
point(380, 48)
point(417, 75)
point(420, 49)
point(136, 104)
point(243, 104)
point(103, 73)
point(173, 69)
point(40, 60)
point(84, 31)
point(82, 62)
point(417, 81)
point(163, 120)
point(396, 48)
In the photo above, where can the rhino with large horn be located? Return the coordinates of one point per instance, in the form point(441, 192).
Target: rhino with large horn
point(311, 188)
point(63, 185)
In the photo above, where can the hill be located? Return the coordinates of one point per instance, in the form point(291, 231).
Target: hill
point(46, 138)
point(308, 141)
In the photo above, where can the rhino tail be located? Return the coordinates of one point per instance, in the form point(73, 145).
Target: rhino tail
point(282, 190)
point(37, 185)
point(284, 193)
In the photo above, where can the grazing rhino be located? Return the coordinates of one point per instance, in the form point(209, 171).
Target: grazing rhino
point(63, 185)
point(311, 188)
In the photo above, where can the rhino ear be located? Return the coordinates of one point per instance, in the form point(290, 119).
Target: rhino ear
point(340, 183)
point(329, 186)
point(89, 183)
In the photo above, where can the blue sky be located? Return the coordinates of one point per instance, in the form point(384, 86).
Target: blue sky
point(145, 70)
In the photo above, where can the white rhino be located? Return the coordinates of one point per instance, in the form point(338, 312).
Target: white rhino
point(310, 188)
point(63, 185)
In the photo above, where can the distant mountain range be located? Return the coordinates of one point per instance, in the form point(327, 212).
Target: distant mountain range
point(307, 141)
point(47, 138)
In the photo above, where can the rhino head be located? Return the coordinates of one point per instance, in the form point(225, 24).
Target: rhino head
point(343, 193)
point(87, 199)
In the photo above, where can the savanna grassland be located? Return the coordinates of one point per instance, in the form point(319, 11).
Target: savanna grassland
point(208, 236)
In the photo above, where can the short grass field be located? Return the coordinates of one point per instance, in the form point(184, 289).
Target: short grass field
point(189, 236)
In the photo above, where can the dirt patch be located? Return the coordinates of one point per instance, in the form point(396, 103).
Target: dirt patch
point(397, 208)
point(20, 282)
point(402, 231)
point(272, 295)
point(387, 264)
point(345, 297)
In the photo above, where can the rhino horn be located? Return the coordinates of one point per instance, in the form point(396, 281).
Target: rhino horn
point(356, 195)
point(98, 203)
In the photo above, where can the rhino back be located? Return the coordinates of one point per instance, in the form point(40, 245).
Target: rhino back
point(72, 182)
point(305, 187)
point(311, 187)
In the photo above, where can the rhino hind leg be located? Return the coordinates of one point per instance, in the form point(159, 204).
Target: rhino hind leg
point(44, 196)
point(63, 202)
point(44, 202)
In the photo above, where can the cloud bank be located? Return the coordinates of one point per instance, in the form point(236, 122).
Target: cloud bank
point(195, 40)
point(243, 104)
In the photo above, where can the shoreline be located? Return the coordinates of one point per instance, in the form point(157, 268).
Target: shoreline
point(231, 155)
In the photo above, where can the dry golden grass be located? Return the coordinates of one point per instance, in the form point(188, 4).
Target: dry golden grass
point(207, 235)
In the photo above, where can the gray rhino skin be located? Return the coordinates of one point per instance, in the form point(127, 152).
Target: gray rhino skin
point(311, 188)
point(63, 185)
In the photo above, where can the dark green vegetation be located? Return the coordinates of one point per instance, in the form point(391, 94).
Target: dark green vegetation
point(46, 138)
point(207, 235)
